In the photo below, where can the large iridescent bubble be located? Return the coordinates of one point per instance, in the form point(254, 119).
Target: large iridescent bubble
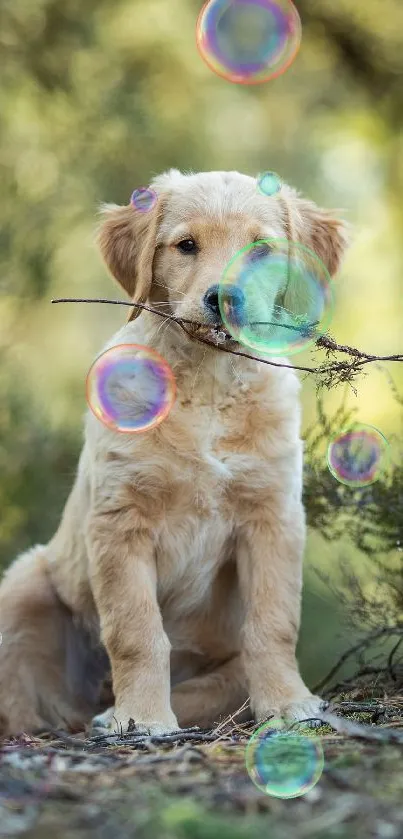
point(248, 41)
point(130, 388)
point(282, 762)
point(275, 297)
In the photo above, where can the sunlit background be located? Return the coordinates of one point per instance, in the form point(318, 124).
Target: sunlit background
point(96, 98)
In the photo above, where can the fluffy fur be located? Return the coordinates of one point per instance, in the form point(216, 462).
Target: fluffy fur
point(178, 559)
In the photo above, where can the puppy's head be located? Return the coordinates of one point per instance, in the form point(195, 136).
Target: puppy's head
point(174, 255)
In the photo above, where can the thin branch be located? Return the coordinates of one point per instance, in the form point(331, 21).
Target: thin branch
point(360, 731)
point(363, 644)
point(332, 372)
point(329, 344)
point(244, 354)
point(391, 657)
point(180, 322)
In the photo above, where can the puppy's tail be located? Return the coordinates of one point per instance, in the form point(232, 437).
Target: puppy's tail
point(49, 675)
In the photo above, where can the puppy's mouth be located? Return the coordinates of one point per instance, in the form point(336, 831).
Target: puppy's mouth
point(215, 334)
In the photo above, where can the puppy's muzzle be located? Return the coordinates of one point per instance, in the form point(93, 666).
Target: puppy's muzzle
point(230, 303)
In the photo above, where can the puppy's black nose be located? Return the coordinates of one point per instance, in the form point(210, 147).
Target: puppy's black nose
point(232, 297)
point(210, 300)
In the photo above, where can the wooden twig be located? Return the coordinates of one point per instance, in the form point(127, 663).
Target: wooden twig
point(181, 322)
point(360, 731)
point(363, 644)
point(391, 657)
point(331, 372)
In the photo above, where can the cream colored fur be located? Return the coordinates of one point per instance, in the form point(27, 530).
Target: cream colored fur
point(180, 549)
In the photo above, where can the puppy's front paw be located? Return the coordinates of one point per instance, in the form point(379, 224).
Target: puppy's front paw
point(305, 710)
point(153, 728)
point(113, 721)
point(101, 724)
point(123, 722)
point(302, 709)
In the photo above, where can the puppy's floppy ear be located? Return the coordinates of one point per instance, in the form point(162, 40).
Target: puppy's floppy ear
point(127, 240)
point(320, 230)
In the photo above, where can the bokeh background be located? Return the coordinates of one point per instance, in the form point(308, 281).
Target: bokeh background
point(96, 98)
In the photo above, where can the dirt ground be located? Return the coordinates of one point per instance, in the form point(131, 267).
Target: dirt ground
point(194, 785)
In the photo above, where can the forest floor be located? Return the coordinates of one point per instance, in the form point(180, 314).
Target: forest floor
point(194, 785)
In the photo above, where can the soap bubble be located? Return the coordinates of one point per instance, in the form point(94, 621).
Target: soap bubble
point(130, 388)
point(248, 41)
point(275, 297)
point(269, 183)
point(357, 456)
point(283, 763)
point(143, 199)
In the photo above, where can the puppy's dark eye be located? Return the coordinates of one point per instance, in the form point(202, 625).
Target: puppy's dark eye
point(260, 250)
point(187, 246)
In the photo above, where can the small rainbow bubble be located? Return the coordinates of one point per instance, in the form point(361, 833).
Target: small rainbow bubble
point(283, 763)
point(269, 183)
point(130, 388)
point(357, 456)
point(248, 41)
point(143, 199)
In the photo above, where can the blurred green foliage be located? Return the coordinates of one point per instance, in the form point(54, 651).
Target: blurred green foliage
point(95, 98)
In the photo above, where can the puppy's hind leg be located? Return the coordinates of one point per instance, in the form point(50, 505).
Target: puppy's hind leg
point(44, 658)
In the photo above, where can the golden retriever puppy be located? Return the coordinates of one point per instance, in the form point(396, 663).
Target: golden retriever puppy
point(178, 560)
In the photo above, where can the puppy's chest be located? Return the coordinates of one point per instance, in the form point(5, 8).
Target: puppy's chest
point(215, 468)
point(226, 449)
